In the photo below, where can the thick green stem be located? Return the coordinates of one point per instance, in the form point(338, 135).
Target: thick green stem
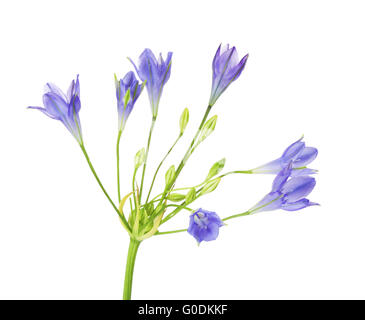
point(118, 178)
point(147, 150)
point(128, 278)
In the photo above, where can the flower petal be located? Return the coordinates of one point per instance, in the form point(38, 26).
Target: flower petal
point(306, 156)
point(293, 150)
point(282, 177)
point(271, 201)
point(298, 205)
point(298, 187)
point(52, 88)
point(303, 172)
point(55, 105)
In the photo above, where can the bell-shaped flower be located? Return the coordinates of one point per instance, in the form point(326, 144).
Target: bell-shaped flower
point(128, 90)
point(287, 193)
point(226, 69)
point(64, 107)
point(297, 153)
point(155, 73)
point(204, 225)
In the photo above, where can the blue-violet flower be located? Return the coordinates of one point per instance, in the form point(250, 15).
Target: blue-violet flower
point(287, 193)
point(128, 90)
point(204, 225)
point(226, 69)
point(64, 108)
point(298, 154)
point(156, 73)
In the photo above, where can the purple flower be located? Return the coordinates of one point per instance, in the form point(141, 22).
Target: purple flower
point(226, 69)
point(128, 90)
point(287, 193)
point(204, 225)
point(156, 73)
point(64, 108)
point(298, 154)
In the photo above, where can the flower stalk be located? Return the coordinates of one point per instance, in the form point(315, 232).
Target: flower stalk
point(129, 269)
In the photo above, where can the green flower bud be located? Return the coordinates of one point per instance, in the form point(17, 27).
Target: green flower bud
point(216, 168)
point(127, 97)
point(139, 158)
point(176, 197)
point(184, 119)
point(210, 186)
point(190, 196)
point(169, 176)
point(208, 128)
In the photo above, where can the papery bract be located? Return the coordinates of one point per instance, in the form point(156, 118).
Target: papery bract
point(287, 193)
point(156, 73)
point(226, 69)
point(298, 154)
point(204, 225)
point(64, 107)
point(128, 90)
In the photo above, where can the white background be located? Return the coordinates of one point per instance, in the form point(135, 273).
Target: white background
point(60, 238)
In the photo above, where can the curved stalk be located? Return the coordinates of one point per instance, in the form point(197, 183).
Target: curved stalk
point(121, 216)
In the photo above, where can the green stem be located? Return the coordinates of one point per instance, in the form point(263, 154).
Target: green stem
point(118, 178)
point(173, 213)
point(169, 232)
point(147, 151)
point(159, 166)
point(187, 154)
point(131, 258)
point(102, 187)
point(237, 215)
point(204, 182)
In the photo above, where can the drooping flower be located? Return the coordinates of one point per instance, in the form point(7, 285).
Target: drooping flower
point(287, 193)
point(226, 69)
point(64, 107)
point(156, 73)
point(298, 154)
point(128, 90)
point(204, 225)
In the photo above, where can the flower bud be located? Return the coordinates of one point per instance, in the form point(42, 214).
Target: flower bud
point(139, 158)
point(126, 97)
point(216, 168)
point(190, 196)
point(210, 186)
point(169, 176)
point(176, 197)
point(184, 119)
point(208, 128)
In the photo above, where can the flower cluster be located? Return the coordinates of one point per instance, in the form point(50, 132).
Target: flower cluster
point(290, 188)
point(287, 192)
